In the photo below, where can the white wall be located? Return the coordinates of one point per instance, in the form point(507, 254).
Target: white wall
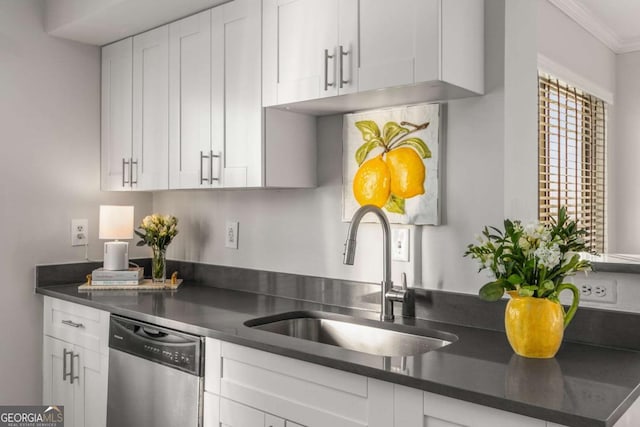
point(49, 174)
point(624, 152)
point(300, 231)
point(565, 43)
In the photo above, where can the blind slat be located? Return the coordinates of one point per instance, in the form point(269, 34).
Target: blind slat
point(571, 150)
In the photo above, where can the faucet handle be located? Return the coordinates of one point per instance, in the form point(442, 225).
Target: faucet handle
point(403, 280)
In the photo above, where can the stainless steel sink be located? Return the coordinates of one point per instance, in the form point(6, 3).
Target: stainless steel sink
point(353, 334)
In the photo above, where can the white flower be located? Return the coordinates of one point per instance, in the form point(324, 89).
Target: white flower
point(548, 255)
point(531, 229)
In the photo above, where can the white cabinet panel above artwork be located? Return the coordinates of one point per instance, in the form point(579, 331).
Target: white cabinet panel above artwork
point(416, 50)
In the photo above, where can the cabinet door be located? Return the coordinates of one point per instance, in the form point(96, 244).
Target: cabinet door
point(116, 115)
point(398, 40)
point(273, 421)
point(236, 103)
point(190, 101)
point(90, 388)
point(56, 389)
point(151, 110)
point(296, 34)
point(233, 414)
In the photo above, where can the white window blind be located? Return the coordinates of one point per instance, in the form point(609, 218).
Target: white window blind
point(572, 157)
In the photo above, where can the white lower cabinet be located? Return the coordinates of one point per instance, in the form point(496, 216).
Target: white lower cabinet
point(75, 362)
point(246, 388)
point(222, 412)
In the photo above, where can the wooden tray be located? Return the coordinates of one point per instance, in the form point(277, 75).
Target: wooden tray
point(146, 285)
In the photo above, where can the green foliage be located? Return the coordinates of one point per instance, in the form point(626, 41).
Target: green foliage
point(533, 259)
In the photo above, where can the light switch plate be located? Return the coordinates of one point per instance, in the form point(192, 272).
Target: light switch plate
point(400, 244)
point(231, 235)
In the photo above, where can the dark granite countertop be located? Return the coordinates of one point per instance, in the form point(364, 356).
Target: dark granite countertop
point(584, 385)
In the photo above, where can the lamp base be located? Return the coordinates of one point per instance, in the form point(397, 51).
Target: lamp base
point(116, 255)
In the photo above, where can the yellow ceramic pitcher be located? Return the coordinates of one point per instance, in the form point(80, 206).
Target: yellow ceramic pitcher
point(535, 326)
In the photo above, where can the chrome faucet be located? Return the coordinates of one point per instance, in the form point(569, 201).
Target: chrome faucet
point(389, 293)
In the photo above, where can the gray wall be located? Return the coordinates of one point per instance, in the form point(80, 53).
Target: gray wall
point(49, 170)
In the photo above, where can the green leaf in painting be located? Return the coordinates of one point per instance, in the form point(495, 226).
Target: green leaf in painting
point(395, 204)
point(419, 145)
point(492, 291)
point(369, 129)
point(391, 130)
point(365, 149)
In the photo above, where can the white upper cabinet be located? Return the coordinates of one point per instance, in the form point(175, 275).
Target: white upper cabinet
point(197, 119)
point(306, 50)
point(116, 116)
point(190, 95)
point(235, 75)
point(399, 42)
point(423, 49)
point(151, 110)
point(135, 106)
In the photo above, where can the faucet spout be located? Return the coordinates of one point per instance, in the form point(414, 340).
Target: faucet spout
point(386, 304)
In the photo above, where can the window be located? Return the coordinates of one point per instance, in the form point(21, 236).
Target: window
point(571, 146)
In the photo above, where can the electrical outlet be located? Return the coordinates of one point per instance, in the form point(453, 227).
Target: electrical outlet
point(231, 235)
point(79, 232)
point(597, 290)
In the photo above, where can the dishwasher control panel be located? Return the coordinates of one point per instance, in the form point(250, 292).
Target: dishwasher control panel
point(168, 347)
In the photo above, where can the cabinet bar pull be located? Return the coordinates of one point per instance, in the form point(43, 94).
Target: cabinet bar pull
point(217, 156)
point(72, 323)
point(124, 164)
point(131, 163)
point(64, 363)
point(202, 178)
point(326, 70)
point(342, 54)
point(74, 356)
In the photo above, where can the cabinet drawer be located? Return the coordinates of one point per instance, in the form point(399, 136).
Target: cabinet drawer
point(300, 392)
point(77, 324)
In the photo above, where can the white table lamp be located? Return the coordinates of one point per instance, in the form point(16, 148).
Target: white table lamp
point(116, 222)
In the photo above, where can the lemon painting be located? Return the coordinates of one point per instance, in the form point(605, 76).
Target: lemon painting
point(391, 161)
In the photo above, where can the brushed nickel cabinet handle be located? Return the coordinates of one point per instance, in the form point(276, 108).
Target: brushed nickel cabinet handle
point(341, 55)
point(125, 163)
point(131, 163)
point(73, 376)
point(219, 157)
point(64, 364)
point(326, 70)
point(202, 178)
point(72, 324)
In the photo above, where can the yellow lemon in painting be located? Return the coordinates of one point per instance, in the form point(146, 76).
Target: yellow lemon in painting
point(372, 183)
point(407, 172)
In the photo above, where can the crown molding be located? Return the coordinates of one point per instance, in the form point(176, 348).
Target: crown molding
point(629, 45)
point(594, 25)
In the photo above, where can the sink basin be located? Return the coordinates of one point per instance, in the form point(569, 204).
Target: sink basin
point(355, 334)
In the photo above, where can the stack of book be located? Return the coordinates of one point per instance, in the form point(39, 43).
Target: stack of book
point(133, 276)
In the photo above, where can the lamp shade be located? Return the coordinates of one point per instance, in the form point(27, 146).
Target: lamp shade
point(116, 222)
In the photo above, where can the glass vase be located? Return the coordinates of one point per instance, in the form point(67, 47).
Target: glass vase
point(158, 265)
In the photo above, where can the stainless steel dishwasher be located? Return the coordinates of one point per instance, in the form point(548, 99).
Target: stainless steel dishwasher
point(155, 376)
